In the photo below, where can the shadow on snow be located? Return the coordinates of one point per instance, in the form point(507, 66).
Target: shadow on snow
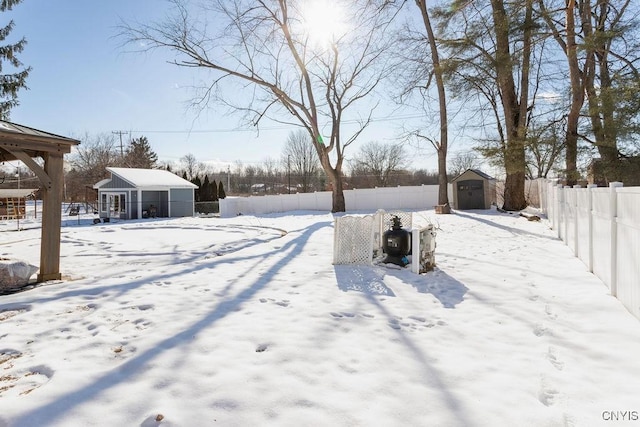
point(139, 363)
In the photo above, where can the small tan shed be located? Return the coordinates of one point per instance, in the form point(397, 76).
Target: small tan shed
point(473, 189)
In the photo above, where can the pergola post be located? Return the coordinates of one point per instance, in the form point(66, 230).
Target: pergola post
point(18, 142)
point(51, 219)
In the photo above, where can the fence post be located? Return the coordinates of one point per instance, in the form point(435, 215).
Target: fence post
point(543, 191)
point(559, 204)
point(613, 200)
point(575, 222)
point(590, 219)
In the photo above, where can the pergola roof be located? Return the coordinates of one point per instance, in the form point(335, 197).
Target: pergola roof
point(31, 141)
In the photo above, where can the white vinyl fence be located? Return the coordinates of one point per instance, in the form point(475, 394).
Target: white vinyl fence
point(602, 228)
point(410, 198)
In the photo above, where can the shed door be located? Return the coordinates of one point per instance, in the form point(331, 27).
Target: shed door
point(471, 194)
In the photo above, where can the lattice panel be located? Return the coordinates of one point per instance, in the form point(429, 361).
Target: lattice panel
point(353, 240)
point(406, 218)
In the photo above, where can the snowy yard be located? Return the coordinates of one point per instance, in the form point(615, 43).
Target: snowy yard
point(245, 322)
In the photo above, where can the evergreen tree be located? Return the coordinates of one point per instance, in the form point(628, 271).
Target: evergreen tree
point(214, 190)
point(184, 176)
point(10, 83)
point(198, 191)
point(221, 193)
point(205, 190)
point(140, 155)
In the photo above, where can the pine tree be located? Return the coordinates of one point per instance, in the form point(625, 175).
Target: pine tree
point(10, 83)
point(214, 190)
point(221, 193)
point(205, 190)
point(140, 155)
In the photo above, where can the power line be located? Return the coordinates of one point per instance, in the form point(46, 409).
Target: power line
point(270, 128)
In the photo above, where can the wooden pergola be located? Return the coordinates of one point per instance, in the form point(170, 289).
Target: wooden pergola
point(22, 143)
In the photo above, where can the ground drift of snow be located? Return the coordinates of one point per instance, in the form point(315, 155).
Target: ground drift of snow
point(245, 321)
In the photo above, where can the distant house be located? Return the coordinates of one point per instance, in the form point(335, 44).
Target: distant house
point(473, 189)
point(625, 170)
point(140, 193)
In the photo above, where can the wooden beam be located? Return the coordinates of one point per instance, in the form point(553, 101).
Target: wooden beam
point(20, 144)
point(36, 143)
point(51, 219)
point(27, 160)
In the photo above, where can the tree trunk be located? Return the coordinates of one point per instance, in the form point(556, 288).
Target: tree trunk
point(443, 181)
point(514, 158)
point(335, 178)
point(337, 193)
point(577, 98)
point(442, 146)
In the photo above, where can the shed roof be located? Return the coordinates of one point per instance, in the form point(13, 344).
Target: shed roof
point(148, 178)
point(9, 193)
point(477, 172)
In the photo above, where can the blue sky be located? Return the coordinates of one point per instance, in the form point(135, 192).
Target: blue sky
point(83, 82)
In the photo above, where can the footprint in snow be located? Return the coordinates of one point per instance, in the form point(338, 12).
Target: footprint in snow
point(539, 330)
point(547, 395)
point(550, 313)
point(24, 382)
point(281, 303)
point(344, 314)
point(553, 359)
point(9, 313)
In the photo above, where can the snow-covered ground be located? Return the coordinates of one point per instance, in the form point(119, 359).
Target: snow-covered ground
point(245, 322)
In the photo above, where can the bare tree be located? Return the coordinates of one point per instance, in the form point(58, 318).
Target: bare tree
point(293, 73)
point(300, 159)
point(379, 162)
point(463, 161)
point(544, 150)
point(270, 168)
point(436, 70)
point(88, 163)
point(190, 165)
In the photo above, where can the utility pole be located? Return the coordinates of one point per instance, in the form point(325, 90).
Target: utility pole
point(120, 133)
point(229, 178)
